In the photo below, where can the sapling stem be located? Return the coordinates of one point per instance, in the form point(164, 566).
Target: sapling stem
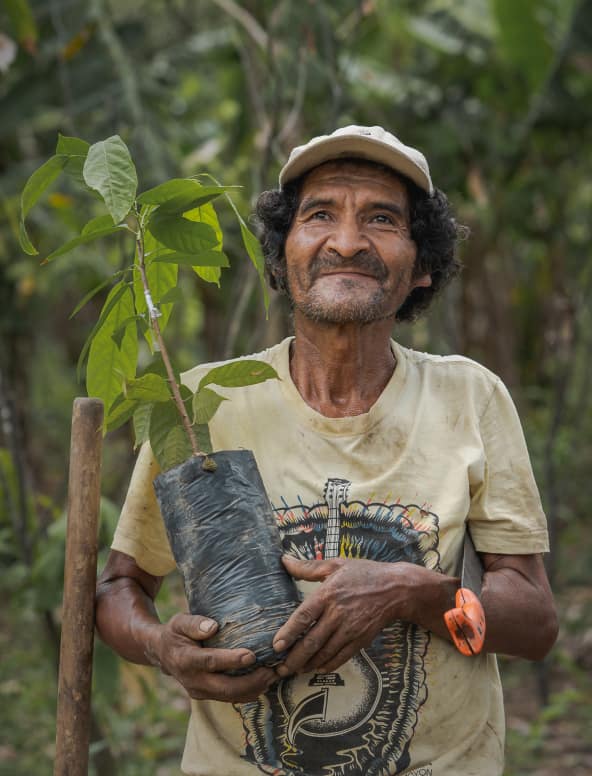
point(154, 315)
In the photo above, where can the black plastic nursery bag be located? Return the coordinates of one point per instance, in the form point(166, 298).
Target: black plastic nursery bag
point(227, 546)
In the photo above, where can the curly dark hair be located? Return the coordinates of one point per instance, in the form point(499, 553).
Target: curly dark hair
point(432, 225)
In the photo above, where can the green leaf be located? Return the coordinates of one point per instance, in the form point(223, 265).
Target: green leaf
point(76, 150)
point(109, 169)
point(161, 279)
point(176, 447)
point(109, 365)
point(112, 299)
point(118, 334)
point(148, 388)
point(253, 247)
point(203, 259)
point(239, 373)
point(209, 274)
point(85, 299)
point(206, 214)
point(204, 441)
point(71, 146)
point(254, 251)
point(181, 234)
point(39, 181)
point(172, 296)
point(82, 240)
point(180, 194)
point(141, 423)
point(120, 413)
point(97, 224)
point(205, 404)
point(163, 419)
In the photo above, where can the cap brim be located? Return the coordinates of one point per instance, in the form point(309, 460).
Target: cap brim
point(358, 146)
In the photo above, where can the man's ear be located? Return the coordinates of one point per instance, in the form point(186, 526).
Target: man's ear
point(422, 281)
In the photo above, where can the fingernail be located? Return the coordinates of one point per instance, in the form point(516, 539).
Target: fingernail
point(248, 659)
point(206, 625)
point(279, 646)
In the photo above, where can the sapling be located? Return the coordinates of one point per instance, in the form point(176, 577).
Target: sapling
point(171, 225)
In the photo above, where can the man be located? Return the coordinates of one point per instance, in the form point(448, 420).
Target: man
point(376, 459)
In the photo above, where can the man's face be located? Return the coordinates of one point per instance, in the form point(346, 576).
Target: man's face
point(349, 255)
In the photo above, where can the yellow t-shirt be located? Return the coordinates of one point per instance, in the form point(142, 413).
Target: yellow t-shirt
point(442, 447)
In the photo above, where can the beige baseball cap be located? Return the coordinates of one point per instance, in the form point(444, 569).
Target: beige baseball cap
point(372, 143)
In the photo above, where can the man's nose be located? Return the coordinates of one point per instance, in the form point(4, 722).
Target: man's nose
point(347, 238)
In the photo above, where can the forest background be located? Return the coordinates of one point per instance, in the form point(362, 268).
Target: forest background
point(498, 93)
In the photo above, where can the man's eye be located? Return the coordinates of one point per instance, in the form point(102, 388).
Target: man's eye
point(382, 218)
point(320, 215)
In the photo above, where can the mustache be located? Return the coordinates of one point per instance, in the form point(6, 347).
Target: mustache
point(365, 261)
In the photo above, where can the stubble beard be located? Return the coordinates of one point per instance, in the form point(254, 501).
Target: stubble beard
point(350, 307)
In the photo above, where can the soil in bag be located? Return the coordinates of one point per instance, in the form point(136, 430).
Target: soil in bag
point(228, 550)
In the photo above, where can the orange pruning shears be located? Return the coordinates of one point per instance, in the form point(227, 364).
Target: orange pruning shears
point(466, 623)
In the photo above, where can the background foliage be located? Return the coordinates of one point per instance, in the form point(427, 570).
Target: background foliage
point(499, 95)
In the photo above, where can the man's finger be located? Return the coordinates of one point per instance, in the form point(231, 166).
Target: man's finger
point(234, 689)
point(304, 651)
point(311, 570)
point(339, 659)
point(194, 626)
point(298, 623)
point(221, 660)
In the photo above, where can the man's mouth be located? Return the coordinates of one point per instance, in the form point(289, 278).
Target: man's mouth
point(366, 265)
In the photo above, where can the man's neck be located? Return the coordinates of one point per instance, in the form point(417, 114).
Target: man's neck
point(340, 371)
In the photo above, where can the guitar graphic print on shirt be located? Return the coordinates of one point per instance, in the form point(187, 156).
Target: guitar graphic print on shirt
point(359, 719)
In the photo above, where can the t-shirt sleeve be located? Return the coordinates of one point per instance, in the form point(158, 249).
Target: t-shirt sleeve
point(140, 531)
point(506, 515)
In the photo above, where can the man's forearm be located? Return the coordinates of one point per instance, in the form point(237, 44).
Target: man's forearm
point(519, 611)
point(127, 621)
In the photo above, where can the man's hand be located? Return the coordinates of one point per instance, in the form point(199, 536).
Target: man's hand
point(201, 670)
point(356, 600)
point(127, 620)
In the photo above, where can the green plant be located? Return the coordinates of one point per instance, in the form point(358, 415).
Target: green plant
point(173, 224)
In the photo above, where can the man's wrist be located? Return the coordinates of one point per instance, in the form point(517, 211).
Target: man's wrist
point(430, 594)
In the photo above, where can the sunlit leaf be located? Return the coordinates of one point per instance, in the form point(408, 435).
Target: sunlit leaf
point(109, 169)
point(180, 194)
point(76, 150)
point(238, 373)
point(109, 365)
point(205, 404)
point(202, 259)
point(209, 274)
point(181, 234)
point(162, 278)
point(148, 388)
point(113, 298)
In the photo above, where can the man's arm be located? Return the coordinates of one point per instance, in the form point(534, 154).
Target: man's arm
point(127, 621)
point(357, 598)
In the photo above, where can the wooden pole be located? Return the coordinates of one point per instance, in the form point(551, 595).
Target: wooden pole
point(80, 572)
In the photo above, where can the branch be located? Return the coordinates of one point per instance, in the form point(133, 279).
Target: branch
point(154, 314)
point(246, 20)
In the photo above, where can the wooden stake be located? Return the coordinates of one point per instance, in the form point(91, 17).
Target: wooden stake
point(80, 572)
